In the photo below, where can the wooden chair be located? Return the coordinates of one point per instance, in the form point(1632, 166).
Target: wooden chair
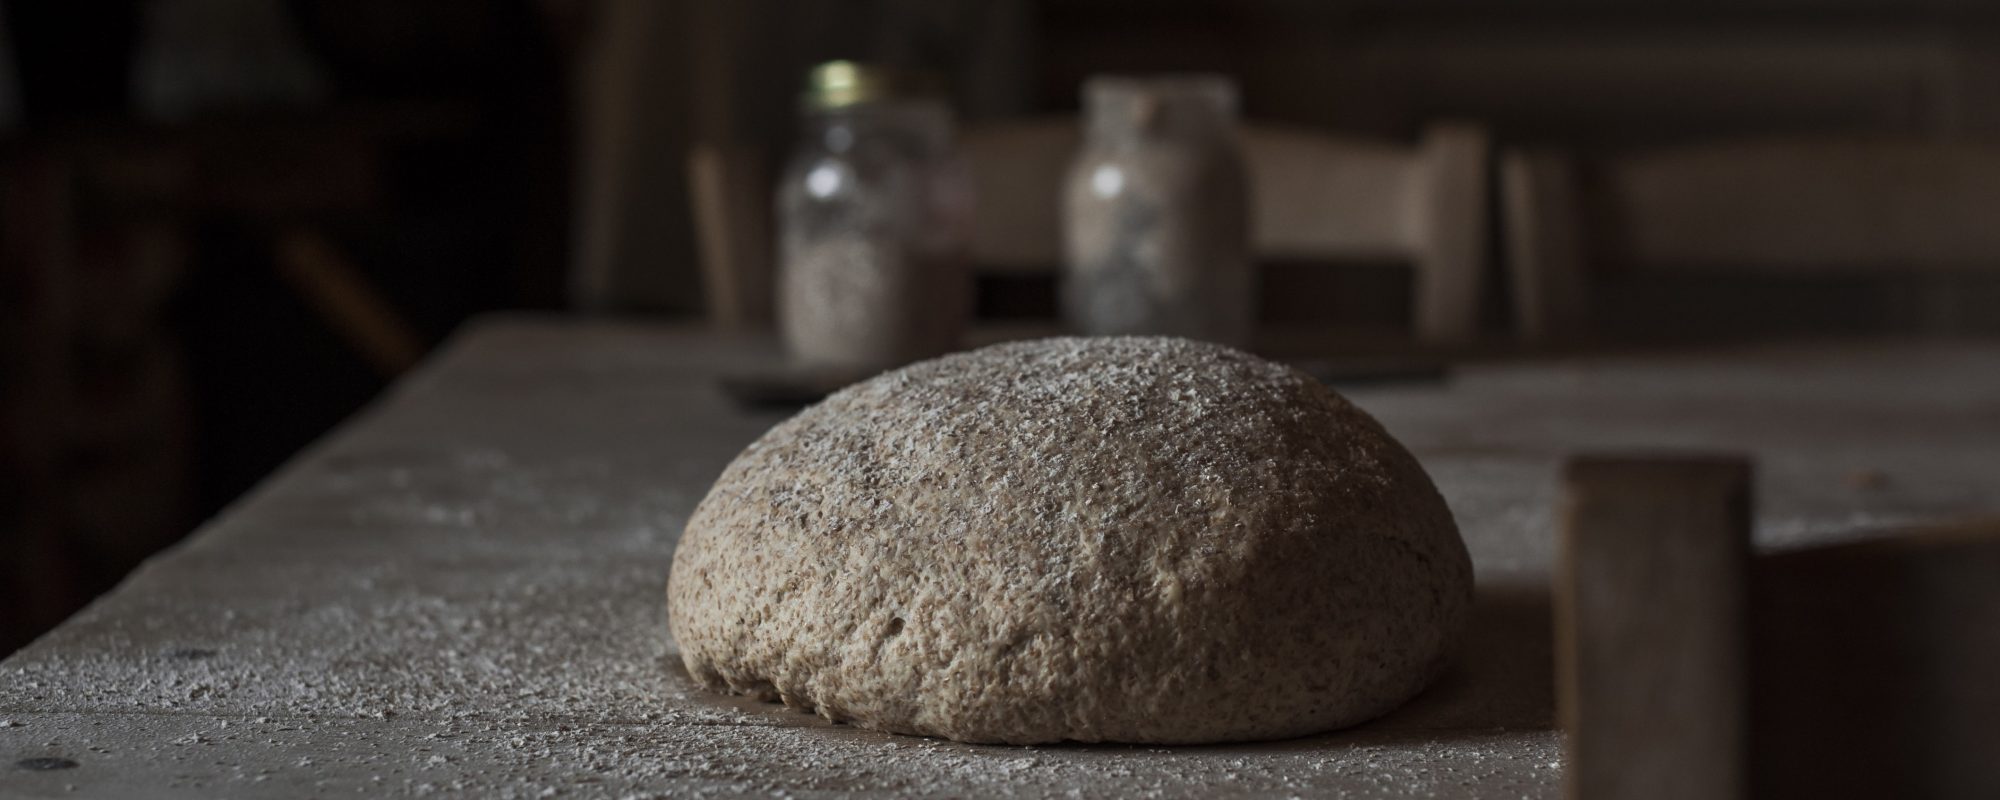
point(1314, 197)
point(1776, 210)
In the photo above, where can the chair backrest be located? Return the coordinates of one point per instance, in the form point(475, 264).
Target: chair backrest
point(1313, 196)
point(1782, 208)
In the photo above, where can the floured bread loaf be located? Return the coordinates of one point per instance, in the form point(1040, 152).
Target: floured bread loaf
point(1107, 539)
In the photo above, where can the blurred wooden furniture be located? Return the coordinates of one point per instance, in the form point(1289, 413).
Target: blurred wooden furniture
point(1642, 71)
point(1777, 209)
point(99, 228)
point(35, 328)
point(1315, 196)
point(95, 423)
point(1687, 669)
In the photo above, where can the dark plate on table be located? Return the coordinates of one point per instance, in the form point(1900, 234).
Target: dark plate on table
point(788, 387)
point(1354, 373)
point(794, 387)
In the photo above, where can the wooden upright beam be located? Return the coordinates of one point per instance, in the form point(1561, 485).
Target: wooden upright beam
point(1652, 612)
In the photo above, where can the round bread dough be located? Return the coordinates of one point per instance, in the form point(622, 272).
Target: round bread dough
point(1088, 539)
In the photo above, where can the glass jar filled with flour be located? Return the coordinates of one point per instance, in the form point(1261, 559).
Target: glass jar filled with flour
point(874, 214)
point(1156, 215)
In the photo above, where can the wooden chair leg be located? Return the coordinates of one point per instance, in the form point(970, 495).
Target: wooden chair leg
point(348, 301)
point(1451, 266)
point(1652, 613)
point(732, 207)
point(1544, 245)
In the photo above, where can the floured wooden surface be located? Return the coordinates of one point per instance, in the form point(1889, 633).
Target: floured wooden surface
point(462, 592)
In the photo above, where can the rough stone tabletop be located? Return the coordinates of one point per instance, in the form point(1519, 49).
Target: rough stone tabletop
point(462, 590)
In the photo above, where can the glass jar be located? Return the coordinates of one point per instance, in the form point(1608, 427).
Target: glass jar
point(1156, 216)
point(874, 215)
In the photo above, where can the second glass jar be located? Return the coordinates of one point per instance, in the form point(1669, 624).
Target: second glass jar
point(1156, 216)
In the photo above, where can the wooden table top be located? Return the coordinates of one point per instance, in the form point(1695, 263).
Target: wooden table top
point(462, 590)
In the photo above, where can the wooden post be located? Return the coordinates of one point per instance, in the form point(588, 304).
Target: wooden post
point(1652, 610)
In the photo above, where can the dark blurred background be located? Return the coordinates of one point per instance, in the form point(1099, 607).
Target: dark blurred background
point(226, 224)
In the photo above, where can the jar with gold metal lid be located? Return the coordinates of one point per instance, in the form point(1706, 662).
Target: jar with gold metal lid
point(874, 214)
